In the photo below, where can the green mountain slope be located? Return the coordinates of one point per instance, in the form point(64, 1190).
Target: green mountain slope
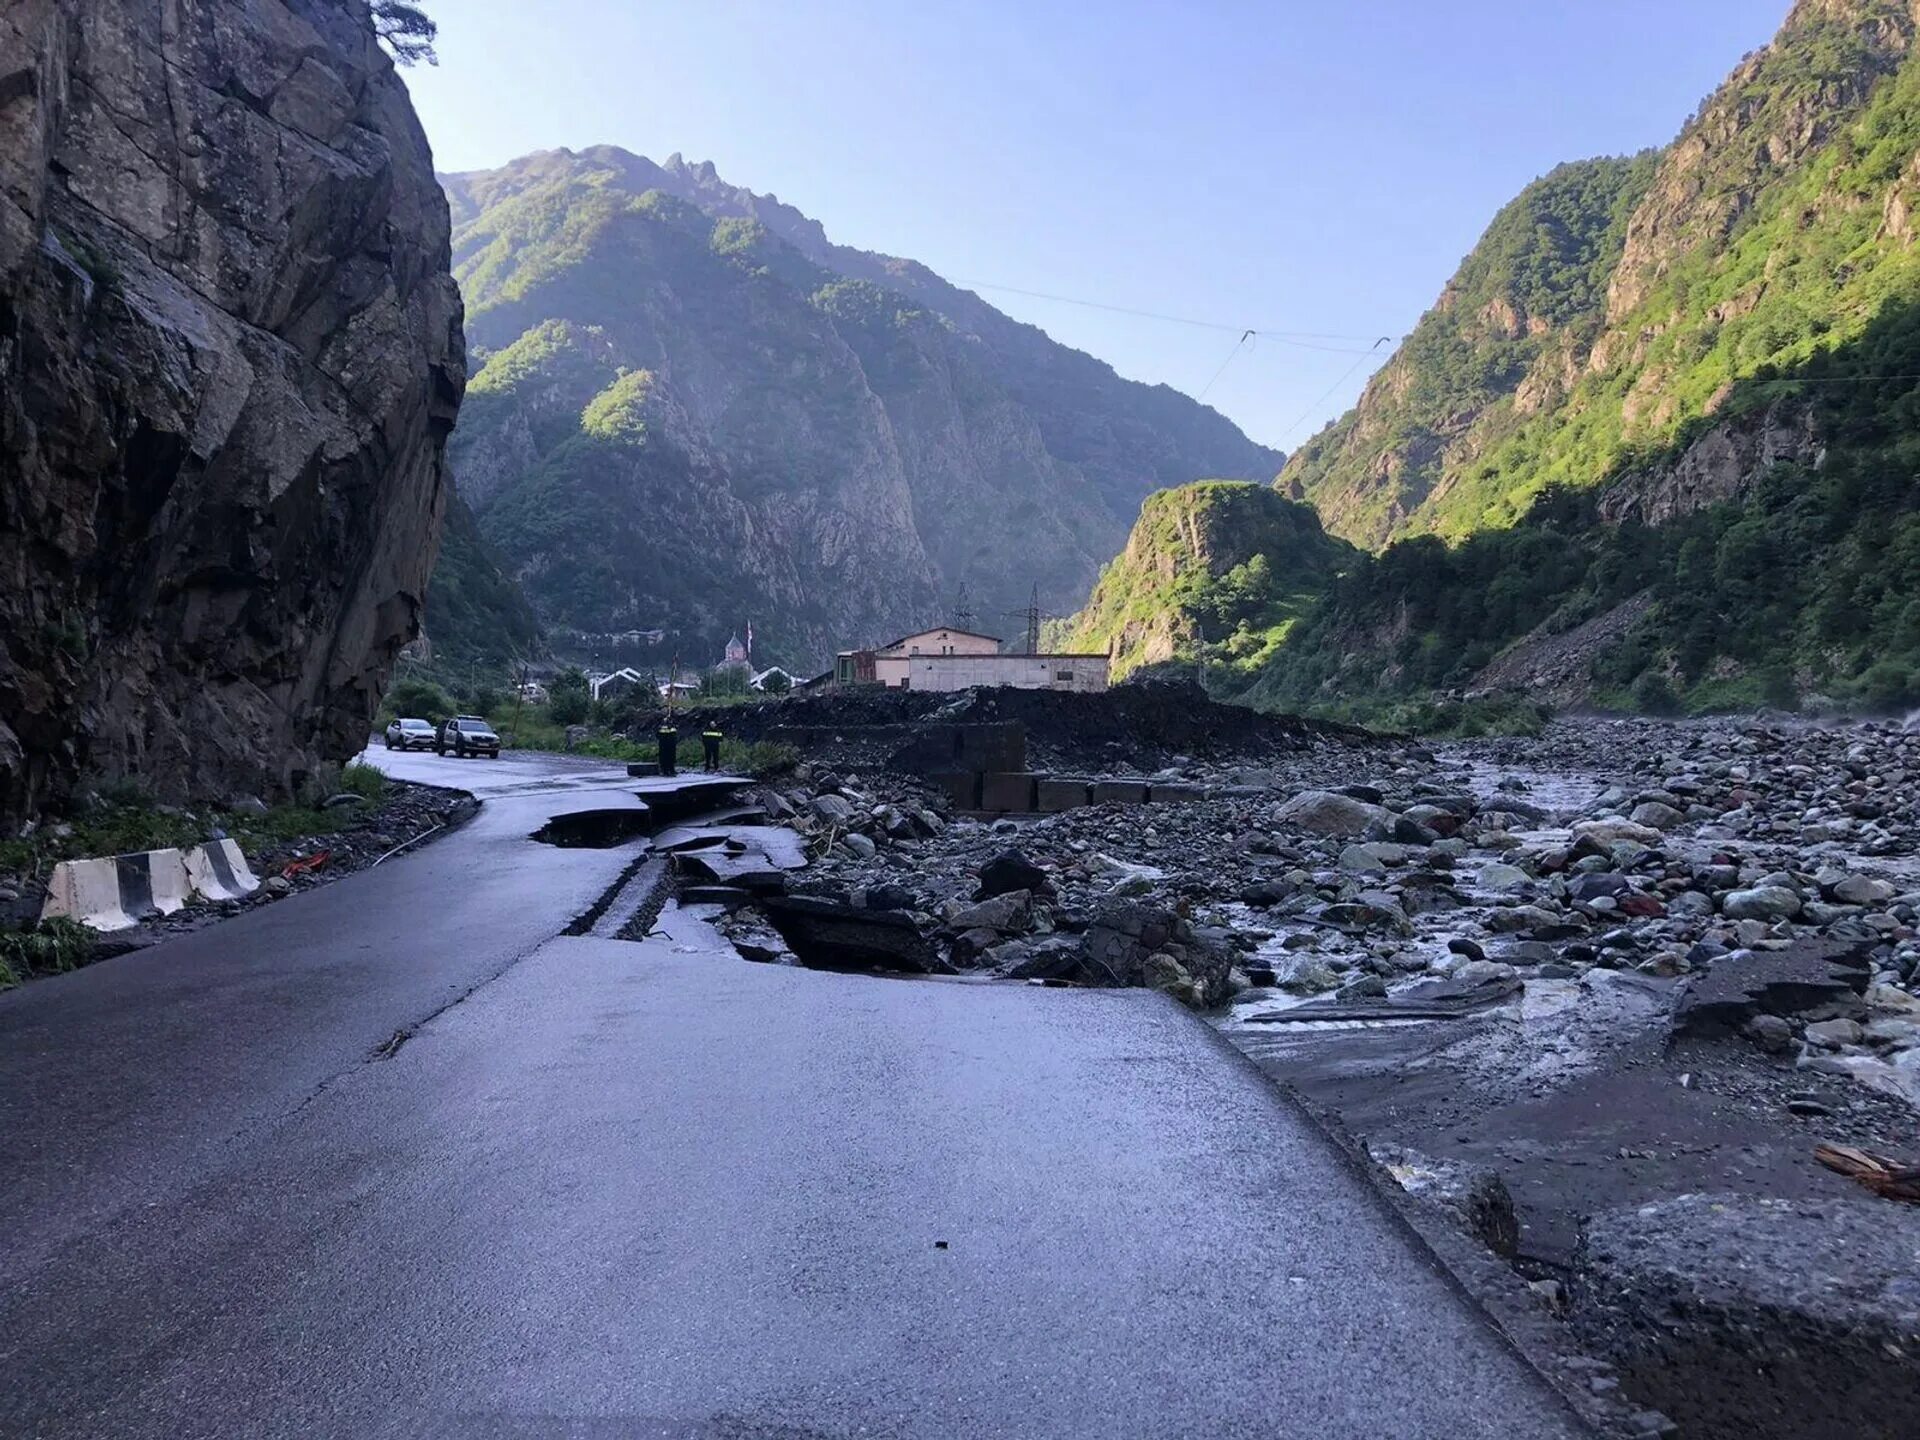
point(693, 411)
point(1702, 489)
point(1771, 232)
point(1532, 294)
point(1219, 569)
point(475, 612)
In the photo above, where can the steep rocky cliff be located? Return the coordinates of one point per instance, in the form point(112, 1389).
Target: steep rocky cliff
point(1509, 323)
point(1713, 290)
point(692, 410)
point(230, 355)
point(1693, 481)
point(1216, 570)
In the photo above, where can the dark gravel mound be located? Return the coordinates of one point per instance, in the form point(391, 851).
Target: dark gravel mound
point(1139, 724)
point(1159, 719)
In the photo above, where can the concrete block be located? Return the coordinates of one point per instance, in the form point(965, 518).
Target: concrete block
point(962, 788)
point(989, 748)
point(168, 887)
point(218, 871)
point(931, 750)
point(1119, 792)
point(87, 891)
point(1175, 794)
point(1007, 791)
point(1061, 792)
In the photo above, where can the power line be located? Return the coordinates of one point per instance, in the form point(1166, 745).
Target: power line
point(1244, 338)
point(1307, 414)
point(1290, 337)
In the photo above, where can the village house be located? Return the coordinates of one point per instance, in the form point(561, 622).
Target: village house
point(619, 682)
point(758, 681)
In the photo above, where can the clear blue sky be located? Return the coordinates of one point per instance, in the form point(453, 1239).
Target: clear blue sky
point(1301, 165)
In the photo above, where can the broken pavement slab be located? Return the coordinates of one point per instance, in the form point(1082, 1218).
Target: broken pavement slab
point(1808, 976)
point(1767, 1319)
point(830, 935)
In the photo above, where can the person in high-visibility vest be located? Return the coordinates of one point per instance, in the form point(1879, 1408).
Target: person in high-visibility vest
point(669, 742)
point(710, 742)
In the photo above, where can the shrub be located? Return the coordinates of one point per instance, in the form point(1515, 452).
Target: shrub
point(1888, 685)
point(46, 947)
point(1653, 694)
point(365, 781)
point(419, 697)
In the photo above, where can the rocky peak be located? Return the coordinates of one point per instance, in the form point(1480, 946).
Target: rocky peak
point(1779, 105)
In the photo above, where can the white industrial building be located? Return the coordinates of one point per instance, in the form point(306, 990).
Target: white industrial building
point(1024, 672)
point(947, 658)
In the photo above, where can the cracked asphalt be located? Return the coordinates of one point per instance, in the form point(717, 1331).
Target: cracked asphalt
point(608, 1189)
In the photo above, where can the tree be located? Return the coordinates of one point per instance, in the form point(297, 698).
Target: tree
point(776, 683)
point(420, 698)
point(569, 699)
point(406, 30)
point(1653, 695)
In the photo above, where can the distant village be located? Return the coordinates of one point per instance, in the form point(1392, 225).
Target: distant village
point(940, 658)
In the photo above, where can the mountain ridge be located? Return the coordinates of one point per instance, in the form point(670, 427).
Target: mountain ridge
point(854, 438)
point(1656, 443)
point(1745, 248)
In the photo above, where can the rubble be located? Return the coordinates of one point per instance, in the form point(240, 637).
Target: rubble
point(1620, 964)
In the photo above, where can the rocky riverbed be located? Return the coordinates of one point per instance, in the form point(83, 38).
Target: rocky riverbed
point(1593, 999)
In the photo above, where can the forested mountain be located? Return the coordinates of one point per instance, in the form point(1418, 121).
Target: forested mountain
point(1225, 563)
point(1657, 441)
point(1619, 309)
point(691, 410)
point(1487, 357)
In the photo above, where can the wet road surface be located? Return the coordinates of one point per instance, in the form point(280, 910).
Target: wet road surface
point(602, 1188)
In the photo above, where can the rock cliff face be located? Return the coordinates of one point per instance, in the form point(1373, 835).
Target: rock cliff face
point(694, 411)
point(230, 355)
point(1495, 348)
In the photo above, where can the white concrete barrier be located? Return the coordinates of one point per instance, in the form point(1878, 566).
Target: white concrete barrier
point(121, 890)
point(168, 887)
point(219, 871)
point(87, 891)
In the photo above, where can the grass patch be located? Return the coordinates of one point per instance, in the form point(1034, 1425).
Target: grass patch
point(46, 947)
point(1473, 719)
point(369, 783)
point(122, 827)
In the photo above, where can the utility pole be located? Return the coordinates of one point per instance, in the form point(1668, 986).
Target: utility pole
point(1031, 618)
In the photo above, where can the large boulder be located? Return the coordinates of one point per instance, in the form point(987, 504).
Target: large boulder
point(1324, 812)
point(1129, 943)
point(1009, 871)
point(1762, 902)
point(230, 356)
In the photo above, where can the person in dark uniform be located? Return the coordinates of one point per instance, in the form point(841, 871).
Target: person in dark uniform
point(669, 742)
point(710, 742)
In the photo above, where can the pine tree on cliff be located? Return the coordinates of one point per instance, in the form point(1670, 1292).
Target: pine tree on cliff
point(406, 30)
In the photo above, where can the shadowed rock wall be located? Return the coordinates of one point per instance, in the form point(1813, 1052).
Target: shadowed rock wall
point(230, 355)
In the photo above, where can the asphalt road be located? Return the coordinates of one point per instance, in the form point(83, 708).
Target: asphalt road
point(606, 1189)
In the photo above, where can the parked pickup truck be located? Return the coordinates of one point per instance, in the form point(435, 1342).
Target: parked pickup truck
point(466, 735)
